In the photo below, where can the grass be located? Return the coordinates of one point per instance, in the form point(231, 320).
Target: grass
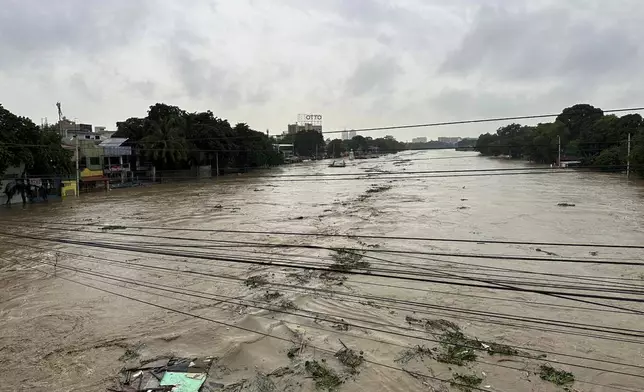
point(464, 382)
point(325, 379)
point(556, 376)
point(256, 281)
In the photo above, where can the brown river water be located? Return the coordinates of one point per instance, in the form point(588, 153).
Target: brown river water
point(77, 297)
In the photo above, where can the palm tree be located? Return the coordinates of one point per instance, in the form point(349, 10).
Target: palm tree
point(166, 143)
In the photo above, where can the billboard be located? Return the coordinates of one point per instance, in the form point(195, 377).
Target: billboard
point(309, 118)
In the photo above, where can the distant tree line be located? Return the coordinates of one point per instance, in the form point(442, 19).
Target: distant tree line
point(171, 138)
point(586, 135)
point(359, 144)
point(39, 148)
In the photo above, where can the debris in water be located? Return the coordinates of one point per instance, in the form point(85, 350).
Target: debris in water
point(377, 189)
point(281, 372)
point(465, 383)
point(346, 260)
point(113, 227)
point(169, 374)
point(341, 326)
point(287, 304)
point(593, 253)
point(566, 204)
point(271, 295)
point(349, 358)
point(256, 281)
point(556, 376)
point(325, 378)
point(419, 352)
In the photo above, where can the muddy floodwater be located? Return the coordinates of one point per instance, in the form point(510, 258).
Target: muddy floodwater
point(89, 286)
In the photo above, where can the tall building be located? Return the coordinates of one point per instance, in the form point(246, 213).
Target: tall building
point(421, 139)
point(352, 134)
point(345, 135)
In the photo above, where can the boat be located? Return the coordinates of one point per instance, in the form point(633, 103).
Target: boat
point(338, 164)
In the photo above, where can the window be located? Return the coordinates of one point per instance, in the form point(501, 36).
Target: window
point(94, 161)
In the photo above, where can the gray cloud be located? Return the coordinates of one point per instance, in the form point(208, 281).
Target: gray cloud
point(376, 75)
point(546, 43)
point(30, 32)
point(359, 63)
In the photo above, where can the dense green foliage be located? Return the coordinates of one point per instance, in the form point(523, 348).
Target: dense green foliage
point(306, 143)
point(172, 138)
point(22, 141)
point(586, 134)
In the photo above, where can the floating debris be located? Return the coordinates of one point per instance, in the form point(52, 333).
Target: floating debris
point(287, 304)
point(324, 377)
point(380, 188)
point(113, 227)
point(566, 204)
point(349, 358)
point(256, 281)
point(419, 352)
point(169, 374)
point(271, 295)
point(456, 348)
point(465, 383)
point(556, 376)
point(346, 260)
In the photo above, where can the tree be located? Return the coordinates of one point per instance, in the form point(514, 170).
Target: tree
point(166, 143)
point(580, 117)
point(308, 142)
point(335, 148)
point(22, 141)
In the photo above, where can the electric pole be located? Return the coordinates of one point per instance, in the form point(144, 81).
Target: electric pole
point(559, 151)
point(628, 158)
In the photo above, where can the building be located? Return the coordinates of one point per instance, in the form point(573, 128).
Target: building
point(295, 128)
point(103, 132)
point(70, 128)
point(352, 134)
point(450, 140)
point(345, 135)
point(421, 139)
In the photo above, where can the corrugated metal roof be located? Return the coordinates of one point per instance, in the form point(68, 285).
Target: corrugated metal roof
point(113, 142)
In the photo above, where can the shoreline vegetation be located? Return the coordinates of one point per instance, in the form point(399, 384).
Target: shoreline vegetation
point(587, 135)
point(170, 138)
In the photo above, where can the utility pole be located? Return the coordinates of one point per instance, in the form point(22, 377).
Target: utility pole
point(559, 151)
point(77, 167)
point(217, 163)
point(628, 158)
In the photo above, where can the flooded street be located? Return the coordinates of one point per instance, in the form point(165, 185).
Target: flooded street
point(91, 285)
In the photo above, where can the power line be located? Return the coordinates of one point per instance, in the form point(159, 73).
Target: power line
point(368, 273)
point(361, 236)
point(138, 283)
point(368, 283)
point(484, 120)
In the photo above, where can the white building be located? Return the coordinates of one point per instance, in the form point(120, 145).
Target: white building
point(450, 140)
point(421, 139)
point(352, 134)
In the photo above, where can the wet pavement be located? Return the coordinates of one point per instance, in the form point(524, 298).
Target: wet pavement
point(61, 332)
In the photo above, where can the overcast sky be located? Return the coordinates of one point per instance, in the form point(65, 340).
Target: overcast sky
point(359, 63)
